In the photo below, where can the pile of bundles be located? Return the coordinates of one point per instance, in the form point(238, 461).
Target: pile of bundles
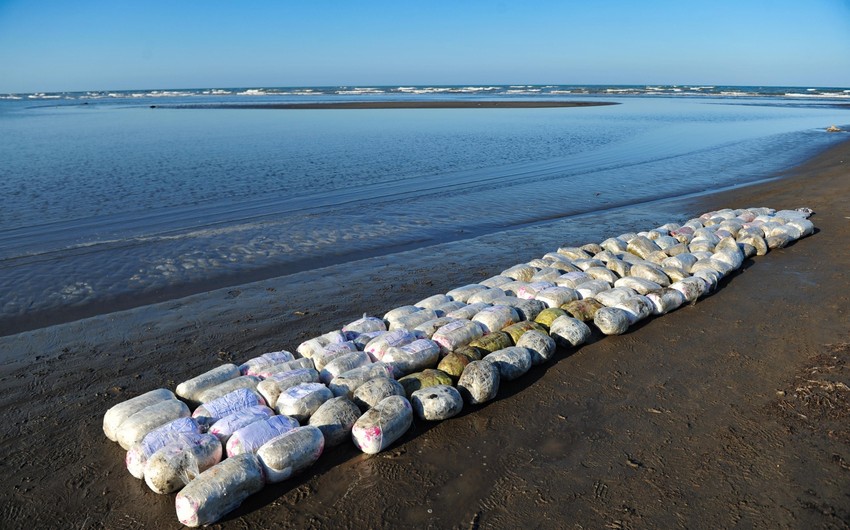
point(231, 430)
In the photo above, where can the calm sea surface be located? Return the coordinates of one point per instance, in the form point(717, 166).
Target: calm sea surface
point(107, 201)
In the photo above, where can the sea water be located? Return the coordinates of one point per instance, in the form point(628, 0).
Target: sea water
point(108, 202)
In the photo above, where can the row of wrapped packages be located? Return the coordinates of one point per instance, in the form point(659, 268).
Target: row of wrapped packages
point(224, 434)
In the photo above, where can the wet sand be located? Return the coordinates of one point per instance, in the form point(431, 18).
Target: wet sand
point(731, 412)
point(447, 104)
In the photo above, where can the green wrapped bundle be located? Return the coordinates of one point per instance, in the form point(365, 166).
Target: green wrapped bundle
point(547, 316)
point(516, 330)
point(453, 364)
point(583, 310)
point(429, 377)
point(492, 342)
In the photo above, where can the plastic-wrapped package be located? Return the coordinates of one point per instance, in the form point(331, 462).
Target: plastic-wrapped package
point(635, 284)
point(466, 312)
point(245, 381)
point(271, 388)
point(614, 296)
point(569, 332)
point(521, 272)
point(301, 401)
point(453, 364)
point(526, 309)
point(691, 288)
point(546, 274)
point(116, 415)
point(250, 438)
point(414, 319)
point(431, 326)
point(251, 366)
point(643, 246)
point(343, 363)
point(590, 288)
point(602, 273)
point(557, 296)
point(211, 412)
point(417, 355)
point(434, 301)
point(429, 377)
point(479, 382)
point(494, 281)
point(347, 382)
point(311, 347)
point(224, 428)
point(586, 264)
point(366, 324)
point(436, 403)
point(457, 334)
point(490, 296)
point(492, 342)
point(529, 290)
point(178, 463)
point(331, 352)
point(584, 310)
point(136, 427)
point(192, 388)
point(611, 321)
point(572, 279)
point(297, 364)
point(448, 307)
point(665, 300)
point(219, 490)
point(573, 253)
point(392, 339)
point(362, 339)
point(496, 317)
point(392, 316)
point(374, 390)
point(512, 362)
point(547, 316)
point(290, 453)
point(172, 431)
point(513, 288)
point(540, 345)
point(614, 245)
point(515, 331)
point(335, 418)
point(382, 425)
point(462, 294)
point(637, 308)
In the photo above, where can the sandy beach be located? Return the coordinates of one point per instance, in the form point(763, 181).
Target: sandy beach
point(734, 412)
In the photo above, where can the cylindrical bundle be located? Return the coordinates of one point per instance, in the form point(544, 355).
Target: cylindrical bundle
point(602, 273)
point(291, 452)
point(529, 290)
point(490, 296)
point(466, 312)
point(133, 429)
point(521, 272)
point(382, 425)
point(462, 294)
point(611, 321)
point(250, 438)
point(448, 307)
point(297, 364)
point(191, 389)
point(496, 317)
point(393, 315)
point(586, 264)
point(546, 274)
point(456, 334)
point(710, 277)
point(251, 366)
point(590, 288)
point(614, 245)
point(494, 281)
point(301, 401)
point(649, 272)
point(573, 253)
point(584, 310)
point(674, 273)
point(311, 347)
point(637, 308)
point(436, 403)
point(665, 300)
point(614, 296)
point(347, 382)
point(492, 342)
point(547, 316)
point(569, 332)
point(418, 355)
point(635, 285)
point(683, 261)
point(178, 463)
point(374, 390)
point(757, 242)
point(224, 428)
point(540, 346)
point(516, 331)
point(557, 296)
point(116, 415)
point(211, 412)
point(691, 288)
point(392, 339)
point(245, 381)
point(805, 226)
point(526, 309)
point(429, 377)
point(219, 490)
point(539, 264)
point(331, 352)
point(431, 326)
point(271, 388)
point(512, 362)
point(363, 339)
point(453, 364)
point(172, 431)
point(342, 364)
point(335, 418)
point(414, 319)
point(366, 324)
point(432, 302)
point(711, 264)
point(643, 247)
point(479, 382)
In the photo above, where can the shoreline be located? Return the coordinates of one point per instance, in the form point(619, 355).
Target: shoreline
point(380, 105)
point(679, 421)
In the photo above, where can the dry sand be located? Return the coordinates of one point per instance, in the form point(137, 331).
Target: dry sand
point(734, 412)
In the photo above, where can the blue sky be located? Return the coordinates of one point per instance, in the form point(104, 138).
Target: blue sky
point(95, 45)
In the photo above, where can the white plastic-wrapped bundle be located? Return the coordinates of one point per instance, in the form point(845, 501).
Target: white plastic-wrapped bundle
point(512, 362)
point(311, 347)
point(611, 321)
point(522, 272)
point(366, 324)
point(271, 388)
point(569, 332)
point(297, 364)
point(466, 312)
point(436, 403)
point(557, 296)
point(301, 401)
point(710, 277)
point(342, 364)
point(637, 308)
point(116, 415)
point(224, 428)
point(540, 346)
point(585, 264)
point(650, 272)
point(456, 334)
point(244, 381)
point(414, 319)
point(636, 285)
point(614, 296)
point(430, 327)
point(250, 438)
point(331, 352)
point(489, 296)
point(614, 245)
point(573, 253)
point(382, 425)
point(413, 357)
point(335, 418)
point(479, 382)
point(219, 490)
point(393, 339)
point(529, 290)
point(172, 431)
point(363, 339)
point(432, 302)
point(494, 281)
point(211, 412)
point(374, 390)
point(602, 273)
point(590, 288)
point(192, 388)
point(496, 317)
point(547, 274)
point(265, 360)
point(665, 300)
point(691, 288)
point(642, 246)
point(133, 429)
point(683, 261)
point(178, 463)
point(399, 312)
point(291, 453)
point(462, 294)
point(526, 309)
point(347, 382)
